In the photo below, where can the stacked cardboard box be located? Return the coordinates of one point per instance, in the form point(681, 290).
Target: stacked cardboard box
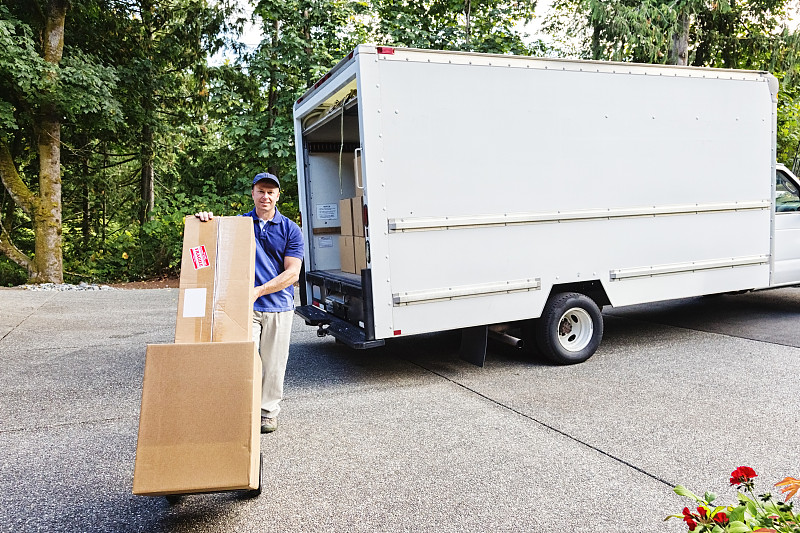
point(201, 397)
point(352, 242)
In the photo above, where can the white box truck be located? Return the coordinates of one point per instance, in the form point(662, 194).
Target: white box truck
point(516, 196)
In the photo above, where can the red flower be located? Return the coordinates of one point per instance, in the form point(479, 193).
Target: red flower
point(721, 518)
point(742, 475)
point(688, 517)
point(703, 512)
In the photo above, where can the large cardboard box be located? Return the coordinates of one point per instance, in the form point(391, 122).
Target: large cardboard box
point(199, 422)
point(346, 216)
point(360, 254)
point(358, 216)
point(347, 254)
point(215, 303)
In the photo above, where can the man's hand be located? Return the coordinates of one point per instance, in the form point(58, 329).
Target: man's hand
point(204, 216)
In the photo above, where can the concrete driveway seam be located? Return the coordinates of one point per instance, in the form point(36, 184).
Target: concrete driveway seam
point(547, 426)
point(18, 324)
point(699, 327)
point(99, 421)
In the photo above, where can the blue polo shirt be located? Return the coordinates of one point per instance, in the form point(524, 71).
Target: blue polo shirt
point(279, 238)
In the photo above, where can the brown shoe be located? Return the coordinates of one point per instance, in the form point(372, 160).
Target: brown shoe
point(268, 424)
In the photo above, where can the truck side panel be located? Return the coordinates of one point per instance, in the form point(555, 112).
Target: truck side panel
point(487, 185)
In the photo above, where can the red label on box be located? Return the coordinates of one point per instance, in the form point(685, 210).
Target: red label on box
point(199, 257)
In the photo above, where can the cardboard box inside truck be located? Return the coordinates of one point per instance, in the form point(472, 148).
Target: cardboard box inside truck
point(346, 216)
point(360, 254)
point(216, 284)
point(199, 425)
point(358, 215)
point(347, 253)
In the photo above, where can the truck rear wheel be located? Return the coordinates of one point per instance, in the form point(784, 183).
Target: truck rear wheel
point(570, 328)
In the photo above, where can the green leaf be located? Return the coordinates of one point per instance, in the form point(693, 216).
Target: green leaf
point(721, 508)
point(752, 508)
point(743, 498)
point(738, 527)
point(709, 497)
point(736, 514)
point(680, 490)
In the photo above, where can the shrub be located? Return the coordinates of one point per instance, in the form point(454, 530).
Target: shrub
point(761, 514)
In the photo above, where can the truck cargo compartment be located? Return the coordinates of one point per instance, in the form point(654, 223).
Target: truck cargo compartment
point(336, 300)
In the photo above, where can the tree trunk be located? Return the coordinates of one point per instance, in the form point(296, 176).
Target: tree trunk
point(467, 9)
point(86, 213)
point(21, 196)
point(147, 186)
point(44, 209)
point(272, 89)
point(597, 53)
point(47, 214)
point(679, 52)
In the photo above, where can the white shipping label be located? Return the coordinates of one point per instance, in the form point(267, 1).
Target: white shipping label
point(324, 242)
point(327, 211)
point(194, 303)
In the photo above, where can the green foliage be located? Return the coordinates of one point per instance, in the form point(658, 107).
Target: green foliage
point(11, 274)
point(720, 33)
point(80, 85)
point(136, 252)
point(471, 25)
point(751, 513)
point(135, 88)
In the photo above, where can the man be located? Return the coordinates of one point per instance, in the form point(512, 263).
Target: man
point(279, 255)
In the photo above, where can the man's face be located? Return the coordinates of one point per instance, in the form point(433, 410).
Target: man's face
point(265, 196)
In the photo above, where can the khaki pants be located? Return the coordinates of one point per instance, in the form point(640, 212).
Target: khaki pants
point(272, 331)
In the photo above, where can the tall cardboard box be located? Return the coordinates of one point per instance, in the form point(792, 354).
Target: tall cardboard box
point(215, 302)
point(359, 254)
point(199, 425)
point(347, 253)
point(346, 216)
point(358, 216)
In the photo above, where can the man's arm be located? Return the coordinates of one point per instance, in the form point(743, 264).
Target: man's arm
point(289, 276)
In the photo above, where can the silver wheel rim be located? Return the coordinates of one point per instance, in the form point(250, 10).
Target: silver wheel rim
point(575, 329)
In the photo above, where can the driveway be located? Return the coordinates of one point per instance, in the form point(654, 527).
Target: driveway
point(408, 437)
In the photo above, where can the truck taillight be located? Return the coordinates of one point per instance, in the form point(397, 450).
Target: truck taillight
point(388, 50)
point(365, 215)
point(322, 80)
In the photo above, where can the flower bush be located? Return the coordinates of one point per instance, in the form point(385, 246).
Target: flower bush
point(758, 514)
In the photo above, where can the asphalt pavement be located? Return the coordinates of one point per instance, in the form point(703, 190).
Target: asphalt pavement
point(409, 437)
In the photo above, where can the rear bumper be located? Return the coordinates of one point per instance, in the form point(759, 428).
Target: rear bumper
point(343, 331)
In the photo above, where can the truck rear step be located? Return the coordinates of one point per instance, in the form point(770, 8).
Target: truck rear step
point(351, 335)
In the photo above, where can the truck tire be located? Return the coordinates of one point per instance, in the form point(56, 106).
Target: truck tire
point(570, 328)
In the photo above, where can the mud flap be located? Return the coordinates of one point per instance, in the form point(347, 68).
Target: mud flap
point(473, 344)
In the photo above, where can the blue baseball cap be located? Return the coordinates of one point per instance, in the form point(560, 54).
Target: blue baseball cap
point(266, 176)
